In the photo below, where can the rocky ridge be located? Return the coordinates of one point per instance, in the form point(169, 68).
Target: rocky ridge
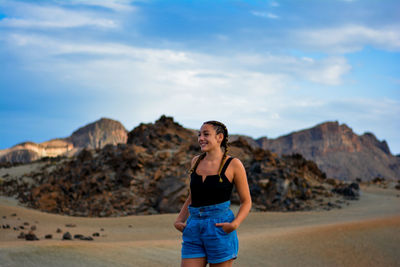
point(94, 135)
point(339, 152)
point(149, 174)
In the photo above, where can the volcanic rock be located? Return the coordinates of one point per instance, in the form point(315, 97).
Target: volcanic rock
point(338, 151)
point(67, 236)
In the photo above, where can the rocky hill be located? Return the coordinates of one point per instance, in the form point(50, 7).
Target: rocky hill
point(94, 135)
point(149, 174)
point(339, 152)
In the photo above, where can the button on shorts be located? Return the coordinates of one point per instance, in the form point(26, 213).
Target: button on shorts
point(201, 238)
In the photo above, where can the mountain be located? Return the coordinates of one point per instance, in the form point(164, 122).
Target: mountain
point(338, 151)
point(98, 134)
point(94, 135)
point(149, 174)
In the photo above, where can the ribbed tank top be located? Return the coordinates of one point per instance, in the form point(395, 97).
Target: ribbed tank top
point(211, 191)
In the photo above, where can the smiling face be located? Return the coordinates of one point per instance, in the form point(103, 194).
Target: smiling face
point(208, 138)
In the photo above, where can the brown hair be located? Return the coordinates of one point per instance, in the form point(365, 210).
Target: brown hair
point(219, 128)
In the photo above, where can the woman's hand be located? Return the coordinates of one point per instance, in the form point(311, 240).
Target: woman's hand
point(180, 226)
point(227, 227)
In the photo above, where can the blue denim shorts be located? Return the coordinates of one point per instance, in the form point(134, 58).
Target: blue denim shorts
point(201, 238)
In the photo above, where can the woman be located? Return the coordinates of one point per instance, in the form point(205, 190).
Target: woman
point(209, 234)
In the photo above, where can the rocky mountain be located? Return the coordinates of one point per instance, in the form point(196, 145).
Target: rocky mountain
point(339, 152)
point(94, 135)
point(98, 134)
point(149, 174)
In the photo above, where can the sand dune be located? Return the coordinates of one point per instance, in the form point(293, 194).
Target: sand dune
point(365, 233)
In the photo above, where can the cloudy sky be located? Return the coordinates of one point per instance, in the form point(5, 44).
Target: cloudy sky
point(264, 68)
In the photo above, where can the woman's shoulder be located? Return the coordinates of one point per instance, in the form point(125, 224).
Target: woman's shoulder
point(235, 162)
point(195, 158)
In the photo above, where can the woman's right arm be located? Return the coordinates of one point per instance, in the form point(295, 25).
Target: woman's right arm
point(184, 213)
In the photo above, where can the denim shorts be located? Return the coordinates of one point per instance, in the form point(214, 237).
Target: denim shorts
point(201, 238)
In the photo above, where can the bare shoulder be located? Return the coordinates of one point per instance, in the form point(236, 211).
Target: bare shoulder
point(194, 159)
point(236, 163)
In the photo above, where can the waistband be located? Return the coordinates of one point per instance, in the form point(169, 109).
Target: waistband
point(211, 211)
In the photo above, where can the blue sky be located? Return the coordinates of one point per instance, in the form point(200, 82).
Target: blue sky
point(264, 68)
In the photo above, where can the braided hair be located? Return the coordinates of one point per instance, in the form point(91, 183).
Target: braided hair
point(219, 127)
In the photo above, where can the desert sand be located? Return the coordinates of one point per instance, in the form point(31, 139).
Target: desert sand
point(364, 233)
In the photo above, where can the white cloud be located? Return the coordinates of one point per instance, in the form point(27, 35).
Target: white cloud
point(350, 38)
point(116, 5)
point(265, 15)
point(26, 15)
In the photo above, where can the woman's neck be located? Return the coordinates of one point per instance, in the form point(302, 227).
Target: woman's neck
point(214, 155)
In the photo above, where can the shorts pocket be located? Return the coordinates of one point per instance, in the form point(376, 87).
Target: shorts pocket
point(187, 225)
point(220, 230)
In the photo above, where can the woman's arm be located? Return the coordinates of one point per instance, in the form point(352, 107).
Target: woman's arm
point(242, 186)
point(184, 213)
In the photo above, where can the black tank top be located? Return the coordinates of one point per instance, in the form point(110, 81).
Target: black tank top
point(212, 191)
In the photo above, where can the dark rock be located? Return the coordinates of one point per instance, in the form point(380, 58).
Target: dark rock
point(78, 236)
point(70, 225)
point(33, 227)
point(31, 236)
point(59, 230)
point(67, 236)
point(350, 191)
point(21, 235)
point(49, 236)
point(96, 234)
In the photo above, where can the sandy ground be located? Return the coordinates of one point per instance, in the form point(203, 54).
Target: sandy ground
point(364, 233)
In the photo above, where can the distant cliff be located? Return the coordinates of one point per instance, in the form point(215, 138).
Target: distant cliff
point(338, 151)
point(94, 135)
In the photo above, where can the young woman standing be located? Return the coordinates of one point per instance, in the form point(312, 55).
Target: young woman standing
point(209, 234)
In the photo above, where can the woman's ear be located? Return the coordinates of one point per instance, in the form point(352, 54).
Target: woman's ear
point(220, 137)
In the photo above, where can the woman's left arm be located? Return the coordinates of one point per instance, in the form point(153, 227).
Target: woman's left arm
point(242, 187)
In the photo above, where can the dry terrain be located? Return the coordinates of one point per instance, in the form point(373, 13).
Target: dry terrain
point(364, 233)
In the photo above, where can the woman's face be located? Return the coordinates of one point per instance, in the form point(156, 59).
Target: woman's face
point(208, 138)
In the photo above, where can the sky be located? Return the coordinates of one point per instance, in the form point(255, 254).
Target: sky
point(264, 68)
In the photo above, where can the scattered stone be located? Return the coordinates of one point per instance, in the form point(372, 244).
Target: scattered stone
point(21, 235)
point(348, 191)
point(70, 225)
point(49, 236)
point(96, 234)
point(67, 236)
point(59, 230)
point(31, 236)
point(21, 227)
point(78, 236)
point(33, 227)
point(26, 223)
point(102, 229)
point(87, 238)
point(13, 215)
point(130, 226)
point(4, 217)
point(15, 228)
